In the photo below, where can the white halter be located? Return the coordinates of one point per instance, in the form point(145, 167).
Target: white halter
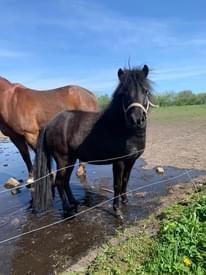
point(136, 104)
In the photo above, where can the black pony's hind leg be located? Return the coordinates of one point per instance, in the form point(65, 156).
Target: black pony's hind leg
point(72, 200)
point(118, 170)
point(65, 165)
point(60, 181)
point(128, 164)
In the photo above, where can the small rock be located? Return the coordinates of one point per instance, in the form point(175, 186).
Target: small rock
point(15, 191)
point(15, 221)
point(11, 183)
point(160, 170)
point(141, 194)
point(170, 190)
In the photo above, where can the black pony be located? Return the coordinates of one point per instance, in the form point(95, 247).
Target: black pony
point(116, 136)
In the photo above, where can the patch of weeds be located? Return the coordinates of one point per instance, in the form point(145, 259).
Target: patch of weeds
point(180, 247)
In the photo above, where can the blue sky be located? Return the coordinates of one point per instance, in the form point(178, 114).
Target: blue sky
point(50, 43)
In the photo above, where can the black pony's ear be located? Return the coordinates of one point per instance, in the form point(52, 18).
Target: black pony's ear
point(145, 70)
point(120, 74)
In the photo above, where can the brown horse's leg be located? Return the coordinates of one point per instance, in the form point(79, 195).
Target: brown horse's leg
point(20, 143)
point(127, 170)
point(118, 170)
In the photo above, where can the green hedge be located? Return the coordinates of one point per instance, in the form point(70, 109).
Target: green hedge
point(167, 99)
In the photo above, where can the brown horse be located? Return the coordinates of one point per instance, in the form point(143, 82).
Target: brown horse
point(24, 111)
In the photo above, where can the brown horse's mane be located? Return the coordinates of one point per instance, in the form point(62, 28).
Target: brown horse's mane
point(4, 80)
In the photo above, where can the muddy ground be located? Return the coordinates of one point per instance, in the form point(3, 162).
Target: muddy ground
point(179, 147)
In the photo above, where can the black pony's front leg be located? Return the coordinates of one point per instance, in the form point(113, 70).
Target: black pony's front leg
point(127, 171)
point(72, 200)
point(118, 171)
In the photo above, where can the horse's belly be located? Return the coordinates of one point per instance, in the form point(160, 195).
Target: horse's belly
point(101, 154)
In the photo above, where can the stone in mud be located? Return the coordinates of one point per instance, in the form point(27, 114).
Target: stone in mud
point(160, 170)
point(15, 221)
point(12, 183)
point(141, 194)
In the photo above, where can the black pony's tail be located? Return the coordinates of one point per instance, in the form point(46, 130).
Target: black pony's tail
point(42, 185)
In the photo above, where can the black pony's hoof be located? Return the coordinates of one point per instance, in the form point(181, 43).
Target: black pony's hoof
point(70, 211)
point(34, 211)
point(74, 207)
point(124, 200)
point(119, 214)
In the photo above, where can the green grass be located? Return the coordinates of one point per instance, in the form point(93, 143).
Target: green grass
point(178, 248)
point(179, 113)
point(123, 258)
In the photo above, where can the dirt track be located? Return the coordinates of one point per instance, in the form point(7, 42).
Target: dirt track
point(180, 144)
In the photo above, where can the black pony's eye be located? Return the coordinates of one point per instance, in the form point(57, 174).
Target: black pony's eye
point(145, 91)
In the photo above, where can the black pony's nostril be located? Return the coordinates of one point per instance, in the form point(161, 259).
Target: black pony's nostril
point(143, 118)
point(137, 120)
point(133, 119)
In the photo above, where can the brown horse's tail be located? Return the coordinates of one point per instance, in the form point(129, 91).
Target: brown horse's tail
point(42, 193)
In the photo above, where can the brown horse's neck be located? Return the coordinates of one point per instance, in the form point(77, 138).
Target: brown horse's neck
point(4, 84)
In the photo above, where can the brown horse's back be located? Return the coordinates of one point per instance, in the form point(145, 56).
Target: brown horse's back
point(24, 111)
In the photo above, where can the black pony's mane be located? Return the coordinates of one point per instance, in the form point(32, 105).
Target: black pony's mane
point(136, 75)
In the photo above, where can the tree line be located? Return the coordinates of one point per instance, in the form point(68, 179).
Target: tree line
point(167, 99)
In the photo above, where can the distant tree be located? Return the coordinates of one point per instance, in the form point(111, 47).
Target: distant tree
point(166, 99)
point(201, 98)
point(103, 101)
point(185, 98)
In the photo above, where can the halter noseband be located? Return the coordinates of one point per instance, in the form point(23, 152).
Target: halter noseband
point(136, 104)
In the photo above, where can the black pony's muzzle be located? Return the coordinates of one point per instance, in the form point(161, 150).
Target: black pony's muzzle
point(136, 118)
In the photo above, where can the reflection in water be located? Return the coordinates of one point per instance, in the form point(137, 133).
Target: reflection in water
point(58, 246)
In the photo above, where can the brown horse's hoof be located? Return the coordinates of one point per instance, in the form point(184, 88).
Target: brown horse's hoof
point(81, 172)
